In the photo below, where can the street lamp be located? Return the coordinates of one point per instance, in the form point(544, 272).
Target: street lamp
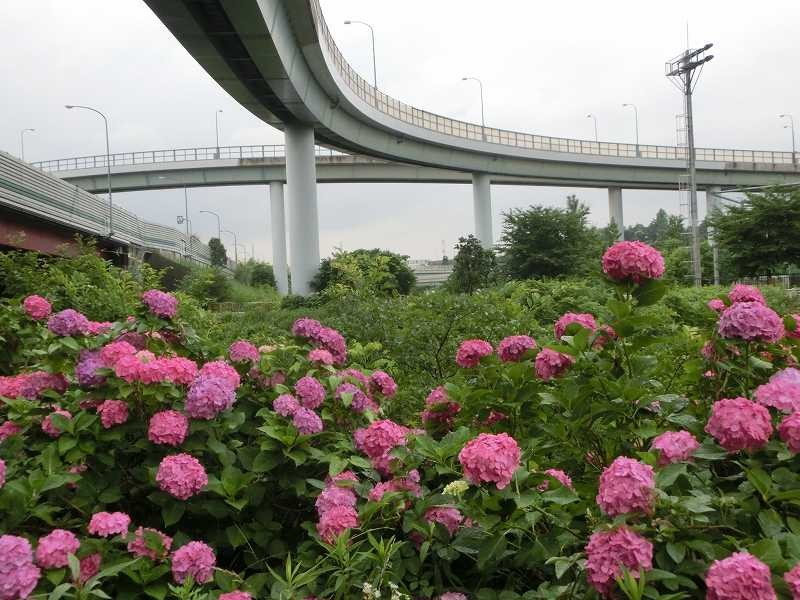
point(219, 223)
point(483, 120)
point(235, 245)
point(216, 128)
point(790, 126)
point(22, 142)
point(636, 119)
point(108, 165)
point(591, 116)
point(185, 217)
point(372, 33)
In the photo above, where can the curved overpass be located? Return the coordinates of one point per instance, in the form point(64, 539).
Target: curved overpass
point(278, 59)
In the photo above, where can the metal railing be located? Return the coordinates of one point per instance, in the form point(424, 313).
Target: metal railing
point(146, 157)
point(472, 131)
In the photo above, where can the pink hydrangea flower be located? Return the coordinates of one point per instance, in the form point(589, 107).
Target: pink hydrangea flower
point(332, 341)
point(550, 364)
point(337, 520)
point(359, 401)
point(36, 307)
point(238, 595)
point(49, 427)
point(514, 347)
point(751, 321)
point(89, 567)
point(181, 476)
point(68, 322)
point(789, 430)
point(10, 386)
point(782, 391)
point(53, 549)
point(633, 261)
point(111, 353)
point(408, 483)
point(168, 427)
point(306, 328)
point(674, 446)
point(440, 411)
point(626, 486)
point(490, 458)
point(285, 405)
point(105, 524)
point(98, 328)
point(792, 579)
point(382, 383)
point(32, 385)
point(559, 476)
point(221, 370)
point(333, 495)
point(87, 367)
point(307, 421)
point(18, 574)
point(448, 516)
point(470, 352)
point(738, 424)
point(608, 552)
point(160, 303)
point(746, 293)
point(453, 596)
point(355, 376)
point(138, 545)
point(244, 351)
point(7, 429)
point(741, 576)
point(320, 356)
point(178, 369)
point(196, 559)
point(208, 396)
point(380, 437)
point(310, 392)
point(585, 320)
point(112, 412)
point(716, 305)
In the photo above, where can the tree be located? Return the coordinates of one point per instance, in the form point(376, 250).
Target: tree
point(255, 273)
point(473, 267)
point(762, 234)
point(219, 257)
point(539, 241)
point(376, 271)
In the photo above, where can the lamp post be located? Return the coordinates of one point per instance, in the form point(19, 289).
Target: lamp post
point(483, 119)
point(219, 222)
point(636, 121)
point(591, 116)
point(185, 219)
point(216, 128)
point(372, 33)
point(22, 142)
point(791, 127)
point(108, 165)
point(235, 245)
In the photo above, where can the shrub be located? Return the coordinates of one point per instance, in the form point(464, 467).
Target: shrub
point(374, 271)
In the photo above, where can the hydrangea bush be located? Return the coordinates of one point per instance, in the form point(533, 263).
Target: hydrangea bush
point(135, 462)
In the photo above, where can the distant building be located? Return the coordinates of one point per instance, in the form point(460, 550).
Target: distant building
point(431, 273)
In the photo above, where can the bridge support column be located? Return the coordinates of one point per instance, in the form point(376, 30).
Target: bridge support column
point(278, 221)
point(301, 182)
point(615, 210)
point(713, 203)
point(482, 207)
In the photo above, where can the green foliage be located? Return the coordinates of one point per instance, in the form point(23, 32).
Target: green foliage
point(374, 271)
point(219, 256)
point(473, 267)
point(207, 285)
point(762, 234)
point(255, 273)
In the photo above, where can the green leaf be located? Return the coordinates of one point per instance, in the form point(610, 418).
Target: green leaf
point(676, 551)
point(767, 550)
point(760, 480)
point(172, 513)
point(336, 465)
point(649, 292)
point(667, 476)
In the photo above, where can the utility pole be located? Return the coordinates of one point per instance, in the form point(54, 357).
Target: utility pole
point(681, 70)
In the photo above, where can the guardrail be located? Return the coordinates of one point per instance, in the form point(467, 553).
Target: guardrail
point(126, 159)
point(472, 131)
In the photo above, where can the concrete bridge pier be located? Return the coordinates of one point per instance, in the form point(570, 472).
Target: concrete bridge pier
point(482, 207)
point(615, 210)
point(301, 182)
point(278, 222)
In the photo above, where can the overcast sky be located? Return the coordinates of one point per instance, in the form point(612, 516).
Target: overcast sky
point(544, 65)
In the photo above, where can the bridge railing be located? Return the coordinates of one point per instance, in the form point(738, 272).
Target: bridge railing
point(472, 131)
point(126, 159)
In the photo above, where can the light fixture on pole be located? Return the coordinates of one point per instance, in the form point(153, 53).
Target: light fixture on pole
point(235, 245)
point(591, 116)
point(483, 119)
point(790, 126)
point(219, 222)
point(108, 165)
point(681, 70)
point(22, 142)
point(636, 121)
point(185, 218)
point(216, 128)
point(372, 33)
